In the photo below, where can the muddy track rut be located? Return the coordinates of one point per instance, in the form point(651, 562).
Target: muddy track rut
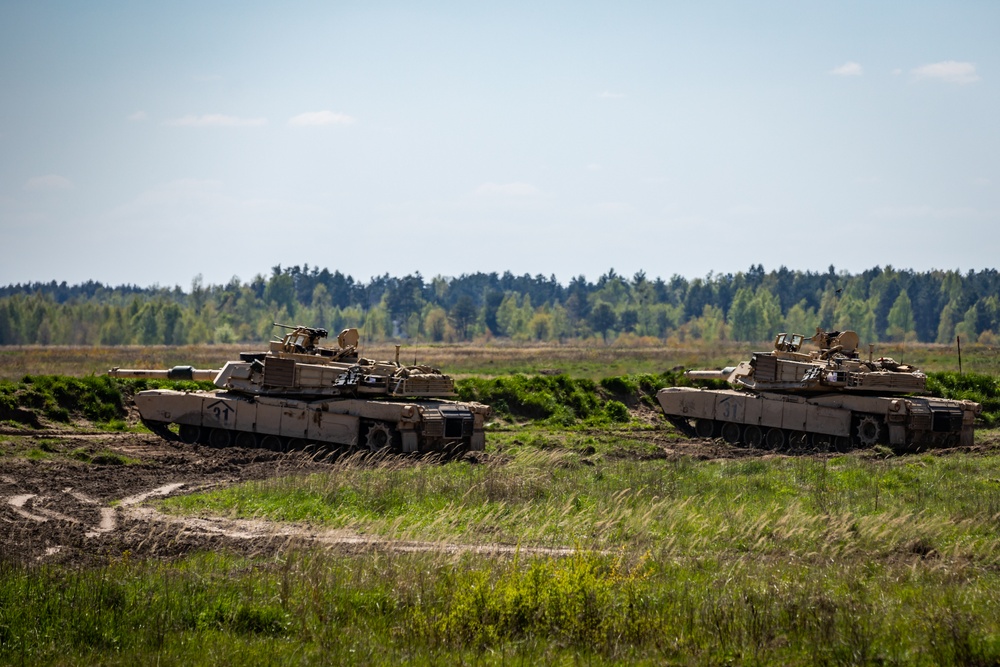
point(57, 510)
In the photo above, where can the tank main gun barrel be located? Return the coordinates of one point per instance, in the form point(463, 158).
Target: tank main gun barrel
point(175, 373)
point(711, 375)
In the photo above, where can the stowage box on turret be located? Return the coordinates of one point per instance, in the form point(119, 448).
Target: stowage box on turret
point(825, 398)
point(299, 392)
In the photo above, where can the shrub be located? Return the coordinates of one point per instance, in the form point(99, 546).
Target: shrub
point(616, 411)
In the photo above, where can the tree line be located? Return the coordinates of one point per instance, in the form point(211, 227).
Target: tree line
point(881, 304)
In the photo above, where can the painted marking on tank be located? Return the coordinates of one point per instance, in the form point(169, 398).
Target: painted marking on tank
point(221, 410)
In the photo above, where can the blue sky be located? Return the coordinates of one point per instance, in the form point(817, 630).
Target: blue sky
point(147, 143)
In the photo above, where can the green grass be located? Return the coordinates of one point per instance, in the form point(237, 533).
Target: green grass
point(852, 559)
point(60, 399)
point(51, 449)
point(532, 496)
point(309, 607)
point(99, 399)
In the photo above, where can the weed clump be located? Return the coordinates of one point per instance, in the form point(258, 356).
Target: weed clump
point(60, 398)
point(616, 411)
point(983, 389)
point(559, 398)
point(564, 401)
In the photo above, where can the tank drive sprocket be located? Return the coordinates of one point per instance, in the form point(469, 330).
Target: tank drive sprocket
point(869, 430)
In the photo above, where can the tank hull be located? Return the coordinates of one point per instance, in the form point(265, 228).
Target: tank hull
point(222, 418)
point(825, 421)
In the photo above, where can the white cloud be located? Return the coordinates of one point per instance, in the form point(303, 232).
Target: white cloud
point(137, 116)
point(320, 118)
point(948, 71)
point(896, 72)
point(593, 166)
point(505, 190)
point(48, 182)
point(215, 120)
point(849, 68)
point(608, 95)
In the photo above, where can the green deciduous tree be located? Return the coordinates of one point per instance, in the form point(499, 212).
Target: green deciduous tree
point(603, 318)
point(900, 318)
point(463, 315)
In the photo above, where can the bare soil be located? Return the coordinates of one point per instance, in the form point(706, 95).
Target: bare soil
point(57, 509)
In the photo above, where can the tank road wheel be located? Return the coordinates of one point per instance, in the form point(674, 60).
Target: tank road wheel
point(731, 433)
point(272, 442)
point(869, 430)
point(704, 428)
point(219, 437)
point(246, 440)
point(798, 439)
point(297, 444)
point(753, 436)
point(775, 438)
point(378, 438)
point(189, 433)
point(842, 443)
point(822, 441)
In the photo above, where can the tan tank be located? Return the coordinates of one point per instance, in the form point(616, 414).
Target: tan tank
point(299, 393)
point(825, 398)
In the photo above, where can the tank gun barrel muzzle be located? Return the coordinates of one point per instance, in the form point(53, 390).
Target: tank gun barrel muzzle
point(175, 373)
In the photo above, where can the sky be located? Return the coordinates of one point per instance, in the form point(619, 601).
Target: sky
point(149, 143)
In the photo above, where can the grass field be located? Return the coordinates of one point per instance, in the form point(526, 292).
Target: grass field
point(489, 359)
point(625, 547)
point(851, 559)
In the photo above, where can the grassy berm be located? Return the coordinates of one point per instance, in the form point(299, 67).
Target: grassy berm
point(588, 533)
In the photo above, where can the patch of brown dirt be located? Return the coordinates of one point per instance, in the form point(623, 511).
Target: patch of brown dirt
point(60, 509)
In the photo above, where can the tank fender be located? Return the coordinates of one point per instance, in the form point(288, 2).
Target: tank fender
point(687, 402)
point(168, 405)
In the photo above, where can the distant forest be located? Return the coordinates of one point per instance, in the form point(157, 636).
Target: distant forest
point(880, 304)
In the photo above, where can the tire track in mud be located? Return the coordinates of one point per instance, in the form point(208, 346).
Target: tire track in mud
point(104, 520)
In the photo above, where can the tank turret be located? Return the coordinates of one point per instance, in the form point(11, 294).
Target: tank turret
point(299, 391)
point(834, 365)
point(823, 397)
